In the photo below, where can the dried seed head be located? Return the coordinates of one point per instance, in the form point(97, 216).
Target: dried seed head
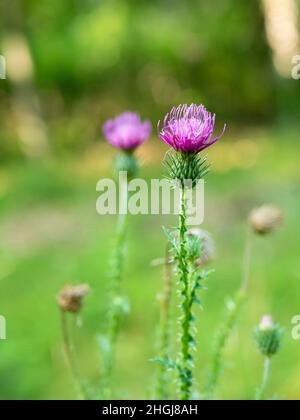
point(200, 245)
point(70, 297)
point(268, 336)
point(265, 219)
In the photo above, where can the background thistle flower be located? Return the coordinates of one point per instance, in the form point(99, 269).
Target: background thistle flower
point(127, 131)
point(265, 219)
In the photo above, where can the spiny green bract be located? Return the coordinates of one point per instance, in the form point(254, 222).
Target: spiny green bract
point(186, 167)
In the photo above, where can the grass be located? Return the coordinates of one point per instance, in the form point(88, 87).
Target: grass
point(51, 235)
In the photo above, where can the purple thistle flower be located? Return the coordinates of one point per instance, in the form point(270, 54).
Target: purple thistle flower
point(189, 129)
point(127, 131)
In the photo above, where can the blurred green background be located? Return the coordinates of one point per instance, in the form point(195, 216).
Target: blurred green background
point(70, 66)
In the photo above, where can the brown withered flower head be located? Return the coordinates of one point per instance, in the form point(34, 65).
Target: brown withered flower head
point(265, 219)
point(70, 297)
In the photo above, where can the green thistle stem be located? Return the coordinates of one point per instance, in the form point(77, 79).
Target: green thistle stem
point(185, 359)
point(221, 340)
point(247, 261)
point(164, 333)
point(116, 311)
point(230, 319)
point(71, 356)
point(266, 376)
point(187, 169)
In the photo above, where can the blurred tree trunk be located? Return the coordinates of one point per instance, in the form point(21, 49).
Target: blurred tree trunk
point(282, 34)
point(25, 102)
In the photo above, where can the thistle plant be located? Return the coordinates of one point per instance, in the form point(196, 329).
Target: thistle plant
point(268, 338)
point(262, 221)
point(188, 130)
point(70, 302)
point(201, 249)
point(126, 132)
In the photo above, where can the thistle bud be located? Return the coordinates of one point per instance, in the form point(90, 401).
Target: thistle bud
point(200, 246)
point(70, 297)
point(127, 162)
point(268, 336)
point(265, 219)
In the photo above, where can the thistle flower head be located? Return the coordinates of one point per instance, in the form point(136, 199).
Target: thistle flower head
point(127, 131)
point(265, 219)
point(189, 129)
point(268, 336)
point(70, 297)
